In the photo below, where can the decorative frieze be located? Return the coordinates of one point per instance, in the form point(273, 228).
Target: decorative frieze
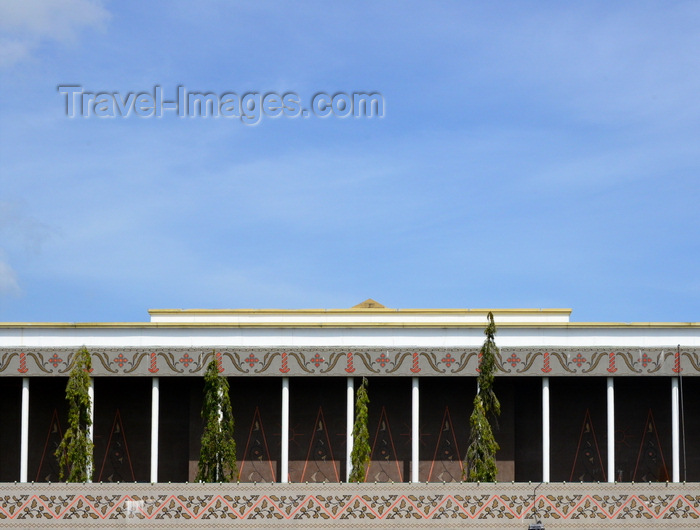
point(504, 505)
point(358, 362)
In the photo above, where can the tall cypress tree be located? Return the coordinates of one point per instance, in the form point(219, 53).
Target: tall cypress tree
point(75, 450)
point(480, 464)
point(217, 457)
point(360, 435)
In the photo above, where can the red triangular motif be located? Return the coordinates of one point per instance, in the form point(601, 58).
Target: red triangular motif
point(383, 466)
point(117, 453)
point(590, 464)
point(48, 465)
point(320, 465)
point(256, 465)
point(447, 464)
point(651, 465)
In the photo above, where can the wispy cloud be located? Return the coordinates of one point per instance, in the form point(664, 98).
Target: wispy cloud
point(8, 279)
point(26, 24)
point(531, 155)
point(20, 234)
point(21, 230)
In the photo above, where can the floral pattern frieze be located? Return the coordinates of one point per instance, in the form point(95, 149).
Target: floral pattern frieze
point(363, 505)
point(354, 361)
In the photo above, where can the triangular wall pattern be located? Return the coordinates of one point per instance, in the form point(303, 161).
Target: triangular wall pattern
point(116, 464)
point(651, 465)
point(383, 466)
point(588, 464)
point(320, 465)
point(447, 464)
point(257, 465)
point(48, 466)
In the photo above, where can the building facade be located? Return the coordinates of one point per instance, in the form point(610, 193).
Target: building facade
point(581, 402)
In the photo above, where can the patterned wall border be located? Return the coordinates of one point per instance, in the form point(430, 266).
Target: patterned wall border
point(357, 362)
point(505, 505)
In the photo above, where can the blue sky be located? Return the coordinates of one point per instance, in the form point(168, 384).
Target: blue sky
point(532, 154)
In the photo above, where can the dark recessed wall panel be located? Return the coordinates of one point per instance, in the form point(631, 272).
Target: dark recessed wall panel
point(445, 407)
point(48, 420)
point(504, 430)
point(642, 429)
point(578, 429)
point(174, 427)
point(527, 406)
point(389, 429)
point(690, 429)
point(257, 410)
point(11, 402)
point(317, 429)
point(122, 430)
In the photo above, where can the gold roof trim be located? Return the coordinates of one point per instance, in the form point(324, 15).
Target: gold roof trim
point(355, 309)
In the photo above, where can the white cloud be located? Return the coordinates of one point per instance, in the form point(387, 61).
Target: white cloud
point(8, 280)
point(21, 232)
point(25, 24)
point(21, 235)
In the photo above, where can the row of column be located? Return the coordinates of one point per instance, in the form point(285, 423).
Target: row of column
point(350, 411)
point(24, 428)
point(610, 398)
point(350, 420)
point(155, 409)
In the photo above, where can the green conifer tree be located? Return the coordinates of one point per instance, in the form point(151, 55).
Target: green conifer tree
point(480, 465)
point(217, 457)
point(75, 450)
point(360, 435)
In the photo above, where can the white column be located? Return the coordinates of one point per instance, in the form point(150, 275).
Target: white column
point(675, 430)
point(349, 423)
point(545, 429)
point(611, 429)
point(24, 432)
point(91, 429)
point(415, 429)
point(155, 412)
point(284, 478)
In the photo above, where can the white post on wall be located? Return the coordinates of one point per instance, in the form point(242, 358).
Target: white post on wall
point(284, 467)
point(545, 429)
point(24, 432)
point(675, 430)
point(611, 428)
point(155, 411)
point(349, 423)
point(91, 429)
point(415, 430)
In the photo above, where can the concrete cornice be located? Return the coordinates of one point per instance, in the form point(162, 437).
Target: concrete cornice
point(530, 325)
